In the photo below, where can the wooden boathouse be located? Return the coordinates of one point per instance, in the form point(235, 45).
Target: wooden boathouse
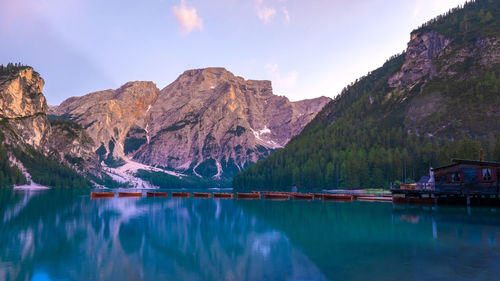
point(460, 182)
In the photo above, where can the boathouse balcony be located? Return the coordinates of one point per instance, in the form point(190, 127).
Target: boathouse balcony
point(460, 178)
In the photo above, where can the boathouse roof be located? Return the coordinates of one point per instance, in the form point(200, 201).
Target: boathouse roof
point(456, 162)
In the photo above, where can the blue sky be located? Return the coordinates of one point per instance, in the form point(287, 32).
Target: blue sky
point(306, 48)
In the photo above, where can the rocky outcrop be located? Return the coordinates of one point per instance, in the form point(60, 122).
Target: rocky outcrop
point(427, 56)
point(109, 115)
point(208, 122)
point(23, 105)
point(431, 55)
point(420, 53)
point(21, 94)
point(24, 122)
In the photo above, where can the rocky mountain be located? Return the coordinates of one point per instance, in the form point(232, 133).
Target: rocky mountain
point(439, 99)
point(109, 115)
point(32, 142)
point(208, 123)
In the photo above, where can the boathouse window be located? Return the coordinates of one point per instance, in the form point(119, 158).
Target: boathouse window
point(455, 177)
point(487, 174)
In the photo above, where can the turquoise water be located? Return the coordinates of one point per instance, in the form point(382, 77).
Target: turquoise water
point(63, 235)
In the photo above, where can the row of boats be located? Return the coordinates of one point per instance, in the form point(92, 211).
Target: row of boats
point(274, 195)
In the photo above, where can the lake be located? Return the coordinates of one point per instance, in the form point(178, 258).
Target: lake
point(64, 235)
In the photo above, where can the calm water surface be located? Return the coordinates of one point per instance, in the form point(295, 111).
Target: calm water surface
point(63, 235)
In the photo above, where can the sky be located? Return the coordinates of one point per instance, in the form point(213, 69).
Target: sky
point(306, 48)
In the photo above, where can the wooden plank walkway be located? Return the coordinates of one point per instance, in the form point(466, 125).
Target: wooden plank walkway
point(270, 195)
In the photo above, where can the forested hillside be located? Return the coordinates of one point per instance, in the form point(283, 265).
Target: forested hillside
point(439, 99)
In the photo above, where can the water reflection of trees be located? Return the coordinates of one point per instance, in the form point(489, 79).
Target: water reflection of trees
point(72, 237)
point(350, 241)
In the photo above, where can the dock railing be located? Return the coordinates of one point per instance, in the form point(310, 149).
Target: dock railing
point(417, 186)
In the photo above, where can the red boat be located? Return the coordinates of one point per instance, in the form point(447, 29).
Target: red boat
point(253, 195)
point(224, 195)
point(156, 194)
point(318, 196)
point(277, 195)
point(303, 196)
point(95, 195)
point(129, 194)
point(181, 194)
point(202, 195)
point(338, 197)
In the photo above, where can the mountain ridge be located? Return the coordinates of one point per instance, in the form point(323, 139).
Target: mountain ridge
point(208, 123)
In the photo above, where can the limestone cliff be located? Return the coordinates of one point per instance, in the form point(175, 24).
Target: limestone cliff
point(25, 124)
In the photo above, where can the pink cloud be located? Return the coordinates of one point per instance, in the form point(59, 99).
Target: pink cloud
point(187, 17)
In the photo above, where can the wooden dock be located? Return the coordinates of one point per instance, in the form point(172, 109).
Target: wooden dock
point(374, 198)
point(255, 195)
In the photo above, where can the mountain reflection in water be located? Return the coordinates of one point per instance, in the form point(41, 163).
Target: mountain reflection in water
point(71, 237)
point(63, 235)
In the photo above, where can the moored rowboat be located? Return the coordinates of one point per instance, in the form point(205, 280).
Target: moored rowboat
point(181, 194)
point(224, 195)
point(202, 195)
point(277, 196)
point(129, 194)
point(318, 196)
point(303, 196)
point(340, 197)
point(253, 195)
point(94, 195)
point(156, 194)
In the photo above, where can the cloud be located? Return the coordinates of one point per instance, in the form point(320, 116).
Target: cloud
point(267, 13)
point(264, 13)
point(281, 82)
point(187, 17)
point(287, 15)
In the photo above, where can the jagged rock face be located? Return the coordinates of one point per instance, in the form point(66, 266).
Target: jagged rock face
point(431, 55)
point(23, 111)
point(485, 50)
point(109, 115)
point(421, 49)
point(208, 122)
point(211, 122)
point(23, 104)
point(21, 94)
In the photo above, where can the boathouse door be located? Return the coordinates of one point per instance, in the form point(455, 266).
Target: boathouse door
point(497, 177)
point(471, 182)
